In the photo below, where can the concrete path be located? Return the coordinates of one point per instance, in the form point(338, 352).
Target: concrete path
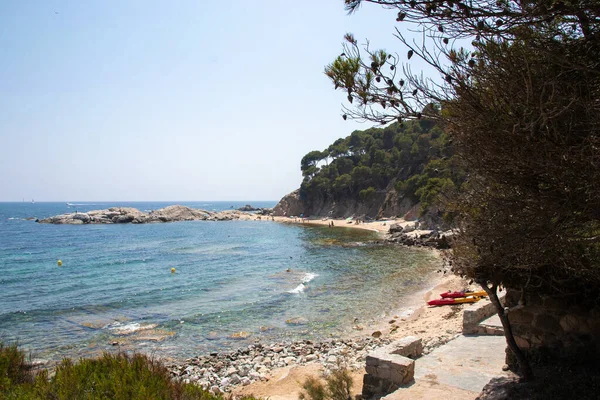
point(456, 370)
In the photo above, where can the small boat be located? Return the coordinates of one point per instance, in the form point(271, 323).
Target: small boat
point(445, 302)
point(454, 295)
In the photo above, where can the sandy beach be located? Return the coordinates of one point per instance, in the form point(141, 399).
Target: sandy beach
point(376, 226)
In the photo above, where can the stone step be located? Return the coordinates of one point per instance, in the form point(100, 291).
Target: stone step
point(491, 326)
point(457, 370)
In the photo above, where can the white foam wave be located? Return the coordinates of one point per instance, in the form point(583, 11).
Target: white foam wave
point(298, 289)
point(309, 276)
point(127, 329)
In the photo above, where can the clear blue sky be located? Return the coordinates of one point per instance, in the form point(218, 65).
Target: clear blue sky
point(161, 100)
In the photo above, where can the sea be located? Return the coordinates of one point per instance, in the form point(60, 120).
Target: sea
point(235, 282)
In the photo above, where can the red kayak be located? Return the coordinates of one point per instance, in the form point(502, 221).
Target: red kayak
point(445, 302)
point(454, 295)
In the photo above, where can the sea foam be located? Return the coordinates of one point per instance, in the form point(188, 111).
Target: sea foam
point(309, 276)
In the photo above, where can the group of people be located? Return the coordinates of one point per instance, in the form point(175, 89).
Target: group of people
point(330, 224)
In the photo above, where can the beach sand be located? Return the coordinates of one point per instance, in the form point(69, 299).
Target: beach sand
point(377, 226)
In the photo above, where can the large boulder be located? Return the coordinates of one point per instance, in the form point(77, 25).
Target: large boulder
point(289, 205)
point(248, 207)
point(178, 213)
point(83, 217)
point(396, 228)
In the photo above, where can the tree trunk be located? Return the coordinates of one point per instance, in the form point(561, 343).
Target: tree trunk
point(524, 366)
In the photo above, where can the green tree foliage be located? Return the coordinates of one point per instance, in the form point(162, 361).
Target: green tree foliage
point(414, 157)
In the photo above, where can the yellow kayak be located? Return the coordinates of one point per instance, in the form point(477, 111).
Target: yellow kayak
point(445, 302)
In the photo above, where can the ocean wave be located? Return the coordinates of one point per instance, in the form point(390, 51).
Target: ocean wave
point(309, 276)
point(298, 289)
point(119, 328)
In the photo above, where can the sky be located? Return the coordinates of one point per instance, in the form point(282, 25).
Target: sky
point(165, 101)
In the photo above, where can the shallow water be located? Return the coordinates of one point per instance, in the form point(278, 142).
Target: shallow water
point(115, 283)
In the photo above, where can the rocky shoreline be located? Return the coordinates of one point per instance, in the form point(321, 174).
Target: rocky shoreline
point(125, 215)
point(410, 236)
point(222, 372)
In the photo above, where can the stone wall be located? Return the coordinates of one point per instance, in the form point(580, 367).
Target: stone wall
point(474, 313)
point(390, 367)
point(544, 322)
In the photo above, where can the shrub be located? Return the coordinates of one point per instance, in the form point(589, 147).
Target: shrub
point(339, 386)
point(112, 376)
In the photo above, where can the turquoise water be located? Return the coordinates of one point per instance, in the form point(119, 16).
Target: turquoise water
point(115, 283)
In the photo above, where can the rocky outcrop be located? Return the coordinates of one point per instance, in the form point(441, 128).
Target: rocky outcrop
point(412, 234)
point(124, 215)
point(259, 211)
point(289, 205)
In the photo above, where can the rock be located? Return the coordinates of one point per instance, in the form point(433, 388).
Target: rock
point(38, 362)
point(254, 375)
point(396, 228)
point(245, 381)
point(240, 335)
point(225, 382)
point(123, 215)
point(215, 390)
point(376, 334)
point(123, 219)
point(248, 207)
point(500, 388)
point(409, 228)
point(331, 360)
point(262, 370)
point(83, 217)
point(230, 371)
point(289, 360)
point(311, 357)
point(289, 205)
point(409, 346)
point(297, 321)
point(235, 379)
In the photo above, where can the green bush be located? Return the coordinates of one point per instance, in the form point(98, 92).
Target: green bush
point(117, 376)
point(339, 386)
point(14, 370)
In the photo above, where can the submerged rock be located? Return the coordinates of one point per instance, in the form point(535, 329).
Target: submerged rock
point(297, 321)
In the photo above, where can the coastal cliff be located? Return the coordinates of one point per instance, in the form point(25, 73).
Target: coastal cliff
point(123, 215)
point(402, 170)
